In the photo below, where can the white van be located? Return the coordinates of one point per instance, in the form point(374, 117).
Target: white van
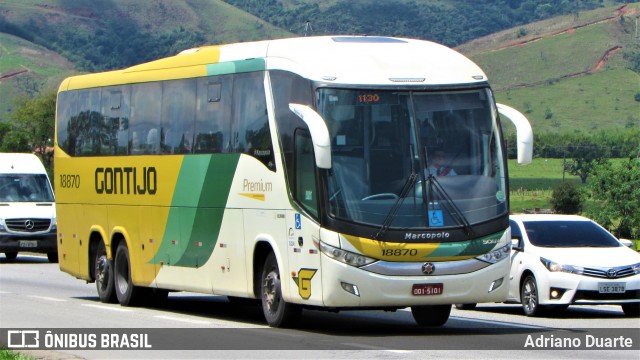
point(27, 209)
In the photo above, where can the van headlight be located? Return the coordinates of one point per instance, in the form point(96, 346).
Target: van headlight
point(344, 256)
point(556, 267)
point(496, 255)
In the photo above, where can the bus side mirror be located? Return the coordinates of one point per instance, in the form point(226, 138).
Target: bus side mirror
point(319, 134)
point(523, 132)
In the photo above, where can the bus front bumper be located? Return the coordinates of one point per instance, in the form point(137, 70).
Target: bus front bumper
point(348, 286)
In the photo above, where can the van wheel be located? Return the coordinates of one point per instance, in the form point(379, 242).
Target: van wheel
point(52, 257)
point(103, 274)
point(530, 298)
point(431, 315)
point(11, 255)
point(631, 309)
point(127, 293)
point(277, 312)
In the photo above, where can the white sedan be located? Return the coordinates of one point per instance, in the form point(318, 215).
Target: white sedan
point(562, 260)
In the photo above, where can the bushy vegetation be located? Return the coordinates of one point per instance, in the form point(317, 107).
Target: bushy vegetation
point(566, 198)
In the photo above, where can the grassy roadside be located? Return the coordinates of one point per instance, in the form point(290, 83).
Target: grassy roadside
point(12, 355)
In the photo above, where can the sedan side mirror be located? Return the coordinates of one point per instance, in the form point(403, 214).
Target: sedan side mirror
point(626, 242)
point(516, 243)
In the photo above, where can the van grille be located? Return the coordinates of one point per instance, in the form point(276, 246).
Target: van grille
point(28, 225)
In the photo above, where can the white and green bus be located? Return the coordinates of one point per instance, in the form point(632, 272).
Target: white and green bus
point(294, 171)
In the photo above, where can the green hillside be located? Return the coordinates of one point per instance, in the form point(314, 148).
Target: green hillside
point(25, 68)
point(578, 76)
point(109, 34)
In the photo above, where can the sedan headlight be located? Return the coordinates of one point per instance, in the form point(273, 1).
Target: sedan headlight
point(555, 267)
point(344, 256)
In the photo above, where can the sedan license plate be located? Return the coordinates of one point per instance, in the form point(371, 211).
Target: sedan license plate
point(611, 288)
point(427, 289)
point(28, 243)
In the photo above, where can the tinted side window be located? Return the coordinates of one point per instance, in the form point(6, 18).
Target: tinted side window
point(251, 134)
point(115, 106)
point(213, 115)
point(66, 116)
point(305, 185)
point(515, 229)
point(145, 118)
point(178, 116)
point(89, 124)
point(289, 88)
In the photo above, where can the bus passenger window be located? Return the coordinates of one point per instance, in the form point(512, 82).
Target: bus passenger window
point(213, 115)
point(251, 134)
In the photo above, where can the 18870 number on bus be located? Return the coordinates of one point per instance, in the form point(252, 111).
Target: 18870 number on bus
point(399, 252)
point(69, 181)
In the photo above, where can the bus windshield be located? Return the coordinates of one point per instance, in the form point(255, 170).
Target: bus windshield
point(414, 159)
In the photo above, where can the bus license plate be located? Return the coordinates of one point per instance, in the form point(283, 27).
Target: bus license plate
point(28, 243)
point(427, 289)
point(611, 288)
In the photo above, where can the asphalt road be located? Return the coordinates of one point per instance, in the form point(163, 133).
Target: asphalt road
point(34, 294)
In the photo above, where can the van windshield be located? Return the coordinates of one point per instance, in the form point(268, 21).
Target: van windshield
point(25, 188)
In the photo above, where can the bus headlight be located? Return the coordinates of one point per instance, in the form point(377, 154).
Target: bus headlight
point(496, 255)
point(344, 256)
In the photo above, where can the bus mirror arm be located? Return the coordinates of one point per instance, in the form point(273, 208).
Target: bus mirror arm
point(523, 132)
point(319, 134)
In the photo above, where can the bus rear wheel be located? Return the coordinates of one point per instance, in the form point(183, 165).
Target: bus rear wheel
point(277, 312)
point(103, 274)
point(431, 315)
point(127, 293)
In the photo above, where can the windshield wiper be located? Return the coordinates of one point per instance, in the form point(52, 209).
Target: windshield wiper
point(450, 206)
point(408, 185)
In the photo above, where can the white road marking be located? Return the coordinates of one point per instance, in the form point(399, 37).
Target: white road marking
point(104, 307)
point(47, 298)
point(172, 318)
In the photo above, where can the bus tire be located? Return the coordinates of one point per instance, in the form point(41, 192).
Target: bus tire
point(52, 257)
point(431, 315)
point(471, 306)
point(103, 275)
point(277, 312)
point(127, 293)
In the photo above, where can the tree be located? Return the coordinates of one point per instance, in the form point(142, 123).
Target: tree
point(616, 189)
point(35, 120)
point(566, 198)
point(586, 156)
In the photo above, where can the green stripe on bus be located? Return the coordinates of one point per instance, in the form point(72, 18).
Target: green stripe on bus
point(233, 67)
point(467, 248)
point(197, 210)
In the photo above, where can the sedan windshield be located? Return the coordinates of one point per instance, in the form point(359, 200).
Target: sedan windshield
point(568, 234)
point(414, 159)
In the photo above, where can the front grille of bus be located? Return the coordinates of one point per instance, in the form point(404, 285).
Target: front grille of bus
point(28, 225)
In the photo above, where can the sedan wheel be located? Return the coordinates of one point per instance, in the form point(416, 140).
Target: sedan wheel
point(529, 297)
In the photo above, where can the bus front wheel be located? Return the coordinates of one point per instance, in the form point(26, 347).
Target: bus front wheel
point(431, 315)
point(277, 312)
